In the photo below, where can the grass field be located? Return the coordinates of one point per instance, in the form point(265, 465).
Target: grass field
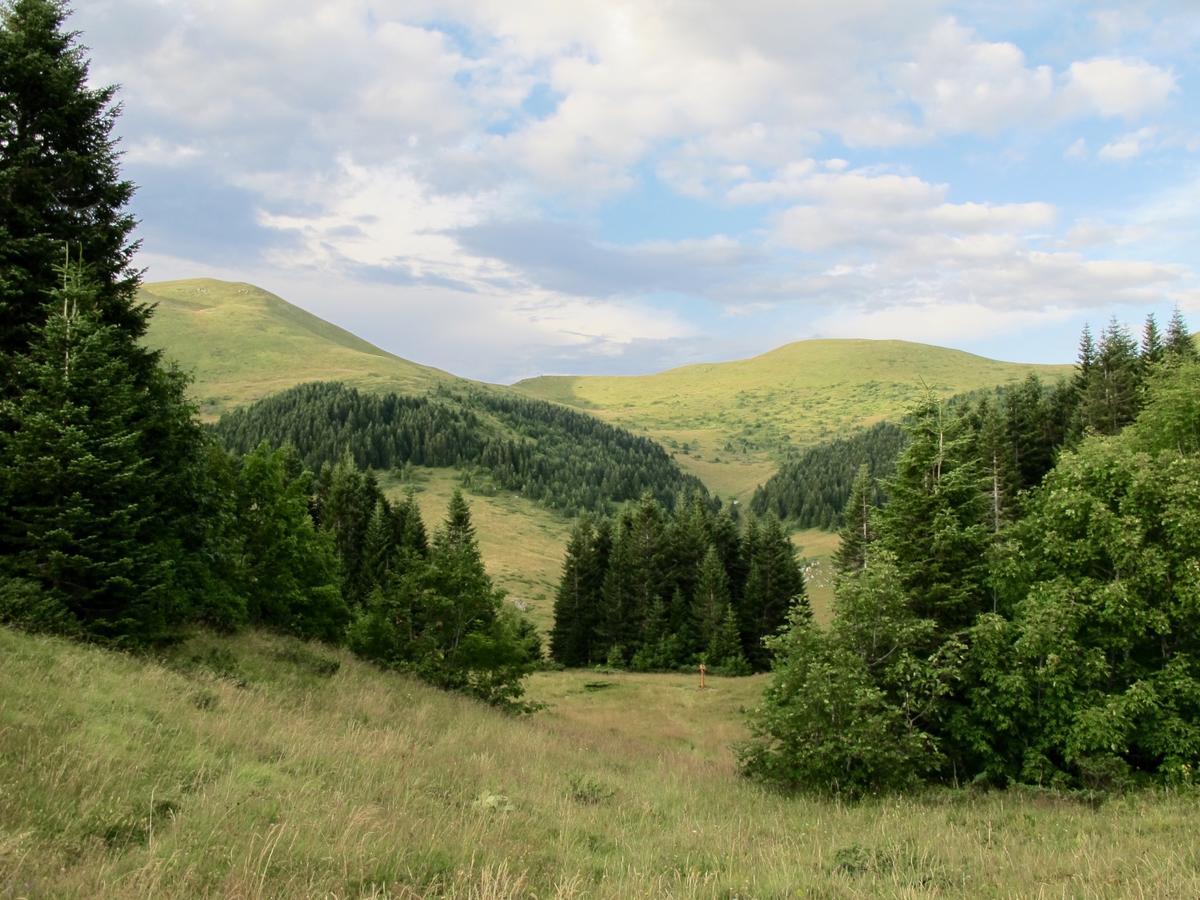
point(242, 343)
point(728, 423)
point(258, 766)
point(522, 543)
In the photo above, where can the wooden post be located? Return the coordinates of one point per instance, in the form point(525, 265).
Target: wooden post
point(703, 669)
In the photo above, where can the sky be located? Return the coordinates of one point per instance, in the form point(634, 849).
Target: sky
point(508, 188)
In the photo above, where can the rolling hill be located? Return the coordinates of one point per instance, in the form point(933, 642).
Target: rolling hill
point(731, 423)
point(242, 343)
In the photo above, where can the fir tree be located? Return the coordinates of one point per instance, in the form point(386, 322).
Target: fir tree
point(576, 602)
point(857, 533)
point(774, 586)
point(1179, 344)
point(82, 519)
point(935, 523)
point(1152, 349)
point(59, 182)
point(710, 601)
point(724, 651)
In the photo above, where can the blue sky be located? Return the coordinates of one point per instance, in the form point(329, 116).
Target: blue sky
point(506, 188)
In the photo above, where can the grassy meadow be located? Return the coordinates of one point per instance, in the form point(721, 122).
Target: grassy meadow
point(259, 766)
point(727, 423)
point(242, 343)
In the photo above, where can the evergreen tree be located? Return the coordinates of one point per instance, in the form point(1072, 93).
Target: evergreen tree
point(1179, 344)
point(82, 520)
point(1110, 397)
point(710, 601)
point(857, 533)
point(59, 183)
point(935, 524)
point(1152, 349)
point(724, 651)
point(774, 586)
point(576, 604)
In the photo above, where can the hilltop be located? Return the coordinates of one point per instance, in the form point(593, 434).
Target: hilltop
point(242, 343)
point(730, 423)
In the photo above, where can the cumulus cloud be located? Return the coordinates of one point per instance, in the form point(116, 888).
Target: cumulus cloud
point(466, 153)
point(1128, 146)
point(1110, 86)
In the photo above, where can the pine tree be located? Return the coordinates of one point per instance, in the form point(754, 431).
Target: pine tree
point(1152, 349)
point(1179, 344)
point(935, 523)
point(710, 601)
point(774, 588)
point(1110, 397)
point(59, 182)
point(857, 533)
point(724, 651)
point(575, 603)
point(81, 518)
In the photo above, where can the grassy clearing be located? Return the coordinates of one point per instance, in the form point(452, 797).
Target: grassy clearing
point(262, 767)
point(242, 343)
point(729, 422)
point(816, 548)
point(522, 543)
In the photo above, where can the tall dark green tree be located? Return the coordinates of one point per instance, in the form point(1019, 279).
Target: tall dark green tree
point(774, 587)
point(710, 599)
point(80, 518)
point(857, 532)
point(577, 603)
point(935, 523)
point(1179, 343)
point(59, 181)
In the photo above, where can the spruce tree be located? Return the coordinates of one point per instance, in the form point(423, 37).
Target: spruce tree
point(935, 523)
point(81, 520)
point(710, 601)
point(1152, 349)
point(574, 603)
point(774, 587)
point(857, 532)
point(1179, 344)
point(59, 182)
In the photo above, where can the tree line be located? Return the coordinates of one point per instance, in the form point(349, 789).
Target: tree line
point(565, 460)
point(654, 589)
point(1011, 617)
point(122, 520)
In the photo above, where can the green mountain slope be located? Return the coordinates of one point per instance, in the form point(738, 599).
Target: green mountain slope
point(242, 343)
point(730, 423)
point(258, 766)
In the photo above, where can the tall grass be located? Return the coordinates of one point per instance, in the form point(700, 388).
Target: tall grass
point(261, 767)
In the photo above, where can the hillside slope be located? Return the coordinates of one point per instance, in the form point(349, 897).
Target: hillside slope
point(731, 422)
point(258, 766)
point(242, 343)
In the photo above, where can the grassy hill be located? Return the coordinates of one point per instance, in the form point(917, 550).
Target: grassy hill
point(258, 766)
point(242, 343)
point(730, 422)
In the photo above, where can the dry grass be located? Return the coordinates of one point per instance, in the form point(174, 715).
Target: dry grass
point(238, 769)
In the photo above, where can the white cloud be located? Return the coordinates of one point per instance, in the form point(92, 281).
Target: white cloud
point(965, 84)
point(1077, 150)
point(1128, 146)
point(1128, 88)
